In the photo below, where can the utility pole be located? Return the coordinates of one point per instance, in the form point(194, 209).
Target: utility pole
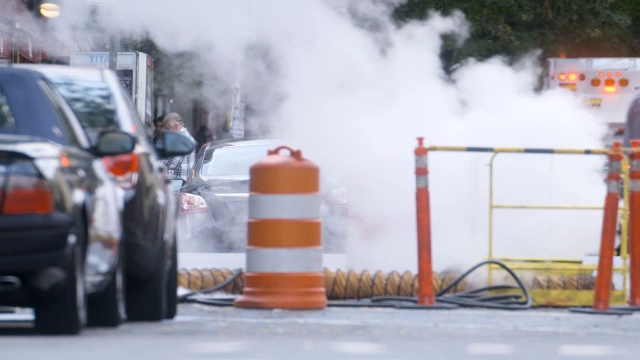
point(114, 46)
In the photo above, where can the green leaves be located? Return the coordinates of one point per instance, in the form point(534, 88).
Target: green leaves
point(513, 28)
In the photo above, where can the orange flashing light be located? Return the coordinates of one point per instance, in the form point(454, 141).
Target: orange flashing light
point(610, 89)
point(562, 76)
point(572, 77)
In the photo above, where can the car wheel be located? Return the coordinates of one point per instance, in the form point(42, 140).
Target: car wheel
point(107, 308)
point(146, 298)
point(63, 309)
point(172, 284)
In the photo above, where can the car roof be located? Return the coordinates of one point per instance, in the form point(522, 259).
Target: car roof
point(63, 69)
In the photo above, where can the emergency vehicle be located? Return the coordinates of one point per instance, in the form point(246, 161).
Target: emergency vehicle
point(605, 85)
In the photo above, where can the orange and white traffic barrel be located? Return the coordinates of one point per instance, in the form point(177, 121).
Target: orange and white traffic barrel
point(284, 245)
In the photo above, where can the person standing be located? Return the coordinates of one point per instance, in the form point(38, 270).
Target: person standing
point(203, 136)
point(157, 127)
point(179, 166)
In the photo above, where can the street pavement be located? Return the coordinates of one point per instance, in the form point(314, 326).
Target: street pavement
point(225, 332)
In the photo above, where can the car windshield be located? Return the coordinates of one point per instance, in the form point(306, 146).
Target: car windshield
point(232, 160)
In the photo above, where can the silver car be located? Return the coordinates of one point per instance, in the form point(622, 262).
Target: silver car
point(60, 211)
point(99, 101)
point(213, 207)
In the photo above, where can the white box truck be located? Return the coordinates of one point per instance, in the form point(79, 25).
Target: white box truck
point(605, 85)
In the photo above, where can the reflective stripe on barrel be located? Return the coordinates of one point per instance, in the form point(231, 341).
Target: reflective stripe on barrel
point(284, 206)
point(284, 260)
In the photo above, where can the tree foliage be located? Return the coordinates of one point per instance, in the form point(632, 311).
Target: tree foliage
point(513, 28)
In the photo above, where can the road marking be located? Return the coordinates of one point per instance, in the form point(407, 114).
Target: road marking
point(353, 347)
point(490, 349)
point(585, 350)
point(217, 347)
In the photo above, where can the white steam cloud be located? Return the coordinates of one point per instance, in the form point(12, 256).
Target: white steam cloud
point(353, 92)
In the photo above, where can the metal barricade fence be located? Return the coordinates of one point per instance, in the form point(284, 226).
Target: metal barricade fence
point(555, 296)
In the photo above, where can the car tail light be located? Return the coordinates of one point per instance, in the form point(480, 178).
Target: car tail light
point(190, 203)
point(24, 191)
point(124, 169)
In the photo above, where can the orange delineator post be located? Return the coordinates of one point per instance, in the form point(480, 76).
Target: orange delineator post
point(634, 224)
point(604, 279)
point(426, 294)
point(607, 241)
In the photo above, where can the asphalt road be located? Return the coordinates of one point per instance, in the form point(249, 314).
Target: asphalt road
point(225, 332)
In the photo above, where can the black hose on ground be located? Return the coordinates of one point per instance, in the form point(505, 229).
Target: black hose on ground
point(480, 297)
point(191, 296)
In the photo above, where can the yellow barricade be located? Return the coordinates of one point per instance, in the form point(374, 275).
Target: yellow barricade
point(555, 282)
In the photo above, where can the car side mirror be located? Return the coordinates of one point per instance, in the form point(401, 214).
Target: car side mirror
point(176, 184)
point(172, 143)
point(112, 142)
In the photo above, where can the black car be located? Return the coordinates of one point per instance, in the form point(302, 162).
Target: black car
point(150, 210)
point(60, 212)
point(214, 203)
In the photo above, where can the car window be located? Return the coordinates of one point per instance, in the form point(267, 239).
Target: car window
point(232, 160)
point(65, 129)
point(6, 118)
point(140, 128)
point(91, 101)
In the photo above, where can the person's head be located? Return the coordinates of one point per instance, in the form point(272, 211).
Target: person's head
point(173, 121)
point(157, 124)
